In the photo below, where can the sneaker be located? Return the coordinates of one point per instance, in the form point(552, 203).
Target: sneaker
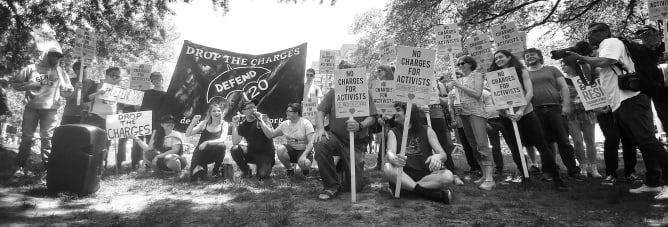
point(534, 170)
point(663, 194)
point(645, 189)
point(633, 178)
point(547, 177)
point(578, 177)
point(487, 185)
point(290, 172)
point(508, 179)
point(517, 179)
point(609, 180)
point(458, 181)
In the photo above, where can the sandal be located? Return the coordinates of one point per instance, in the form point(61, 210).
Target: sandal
point(326, 195)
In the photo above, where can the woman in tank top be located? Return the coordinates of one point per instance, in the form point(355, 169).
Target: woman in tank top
point(211, 146)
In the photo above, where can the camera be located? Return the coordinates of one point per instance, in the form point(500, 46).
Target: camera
point(581, 48)
point(625, 80)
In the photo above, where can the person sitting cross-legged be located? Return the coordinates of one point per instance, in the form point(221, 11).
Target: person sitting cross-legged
point(165, 150)
point(422, 174)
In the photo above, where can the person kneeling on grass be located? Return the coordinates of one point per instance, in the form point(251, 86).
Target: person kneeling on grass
point(165, 147)
point(419, 163)
point(298, 132)
point(255, 128)
point(211, 145)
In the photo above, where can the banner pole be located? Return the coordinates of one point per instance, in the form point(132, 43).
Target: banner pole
point(351, 135)
point(404, 138)
point(518, 140)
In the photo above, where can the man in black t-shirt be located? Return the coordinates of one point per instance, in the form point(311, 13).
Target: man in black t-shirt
point(258, 133)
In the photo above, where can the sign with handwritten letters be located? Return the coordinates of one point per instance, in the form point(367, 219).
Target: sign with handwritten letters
point(414, 75)
point(85, 44)
point(310, 108)
point(506, 89)
point(480, 48)
point(507, 37)
point(125, 124)
point(351, 93)
point(122, 95)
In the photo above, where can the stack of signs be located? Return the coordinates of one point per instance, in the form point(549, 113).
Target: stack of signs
point(85, 46)
point(448, 39)
point(310, 108)
point(480, 48)
point(125, 124)
point(383, 98)
point(506, 89)
point(506, 37)
point(45, 38)
point(658, 9)
point(388, 52)
point(592, 96)
point(140, 77)
point(352, 93)
point(414, 75)
point(327, 61)
point(122, 95)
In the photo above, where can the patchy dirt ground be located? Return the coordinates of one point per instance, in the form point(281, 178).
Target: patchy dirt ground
point(143, 199)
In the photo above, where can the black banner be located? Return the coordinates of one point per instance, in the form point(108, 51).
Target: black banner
point(203, 73)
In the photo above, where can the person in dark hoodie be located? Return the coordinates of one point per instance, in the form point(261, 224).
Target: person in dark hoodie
point(44, 83)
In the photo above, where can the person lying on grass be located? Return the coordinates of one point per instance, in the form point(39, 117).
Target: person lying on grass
point(165, 149)
point(422, 174)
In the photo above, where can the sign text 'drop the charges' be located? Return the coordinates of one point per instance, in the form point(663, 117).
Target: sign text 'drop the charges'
point(125, 124)
point(414, 74)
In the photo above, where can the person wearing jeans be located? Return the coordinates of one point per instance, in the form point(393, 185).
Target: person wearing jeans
point(613, 134)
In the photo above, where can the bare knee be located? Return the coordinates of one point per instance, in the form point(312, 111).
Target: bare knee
point(446, 177)
point(390, 171)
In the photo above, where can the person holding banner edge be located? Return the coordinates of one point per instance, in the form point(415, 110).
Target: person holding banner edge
point(334, 143)
point(474, 117)
point(422, 174)
point(257, 132)
point(529, 126)
point(211, 146)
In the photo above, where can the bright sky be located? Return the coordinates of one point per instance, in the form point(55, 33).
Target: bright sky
point(263, 26)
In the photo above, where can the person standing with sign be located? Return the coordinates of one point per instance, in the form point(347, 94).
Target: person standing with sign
point(44, 83)
point(310, 90)
point(529, 125)
point(151, 102)
point(334, 143)
point(255, 128)
point(551, 102)
point(100, 108)
point(73, 113)
point(474, 117)
point(164, 151)
point(211, 146)
point(422, 172)
point(298, 132)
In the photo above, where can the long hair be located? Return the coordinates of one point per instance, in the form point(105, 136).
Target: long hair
point(513, 62)
point(416, 116)
point(222, 105)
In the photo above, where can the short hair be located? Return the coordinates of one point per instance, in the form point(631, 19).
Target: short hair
point(155, 74)
point(471, 61)
point(296, 107)
point(604, 25)
point(77, 66)
point(245, 103)
point(310, 70)
point(533, 50)
point(112, 69)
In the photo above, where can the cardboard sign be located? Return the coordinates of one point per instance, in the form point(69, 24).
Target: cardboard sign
point(388, 51)
point(592, 96)
point(122, 95)
point(140, 77)
point(507, 37)
point(448, 39)
point(414, 75)
point(658, 9)
point(310, 108)
point(480, 48)
point(506, 89)
point(327, 61)
point(85, 44)
point(135, 123)
point(351, 93)
point(45, 38)
point(383, 97)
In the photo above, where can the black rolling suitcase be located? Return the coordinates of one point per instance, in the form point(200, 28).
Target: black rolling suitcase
point(75, 164)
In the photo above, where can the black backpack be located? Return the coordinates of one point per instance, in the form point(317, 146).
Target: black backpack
point(646, 66)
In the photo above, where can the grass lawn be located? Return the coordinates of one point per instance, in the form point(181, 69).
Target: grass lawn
point(144, 199)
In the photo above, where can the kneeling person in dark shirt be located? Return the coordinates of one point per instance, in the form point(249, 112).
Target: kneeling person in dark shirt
point(257, 132)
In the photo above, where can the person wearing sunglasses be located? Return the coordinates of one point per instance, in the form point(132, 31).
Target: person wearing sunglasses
point(310, 90)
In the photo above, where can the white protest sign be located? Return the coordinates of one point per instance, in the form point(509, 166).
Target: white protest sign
point(122, 95)
point(480, 48)
point(310, 108)
point(388, 52)
point(506, 89)
point(448, 39)
point(85, 44)
point(658, 9)
point(592, 96)
point(506, 37)
point(351, 93)
point(45, 38)
point(414, 75)
point(140, 77)
point(383, 97)
point(327, 61)
point(135, 123)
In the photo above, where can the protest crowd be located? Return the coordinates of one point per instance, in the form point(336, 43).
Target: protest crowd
point(411, 120)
